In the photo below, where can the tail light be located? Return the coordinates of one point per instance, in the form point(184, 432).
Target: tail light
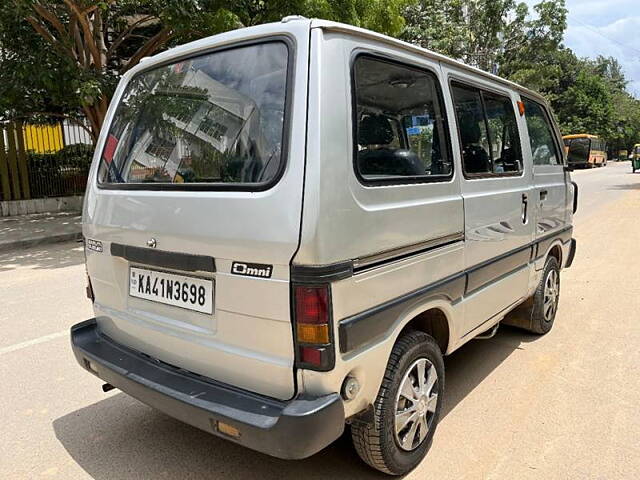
point(312, 326)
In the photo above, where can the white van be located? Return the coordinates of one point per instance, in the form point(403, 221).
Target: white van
point(288, 226)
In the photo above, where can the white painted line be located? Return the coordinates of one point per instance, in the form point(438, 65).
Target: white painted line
point(35, 341)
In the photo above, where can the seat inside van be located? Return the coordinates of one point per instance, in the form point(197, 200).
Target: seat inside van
point(476, 158)
point(379, 157)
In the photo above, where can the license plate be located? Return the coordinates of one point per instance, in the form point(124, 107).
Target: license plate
point(177, 290)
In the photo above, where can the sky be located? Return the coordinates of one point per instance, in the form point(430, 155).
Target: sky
point(609, 28)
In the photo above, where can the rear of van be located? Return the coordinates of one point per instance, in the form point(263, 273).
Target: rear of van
point(192, 216)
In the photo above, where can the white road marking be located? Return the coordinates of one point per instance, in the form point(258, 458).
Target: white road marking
point(35, 341)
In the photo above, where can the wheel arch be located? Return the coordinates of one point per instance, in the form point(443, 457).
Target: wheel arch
point(433, 321)
point(555, 249)
point(556, 252)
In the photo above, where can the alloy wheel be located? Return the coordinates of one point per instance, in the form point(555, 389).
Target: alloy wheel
point(551, 295)
point(416, 404)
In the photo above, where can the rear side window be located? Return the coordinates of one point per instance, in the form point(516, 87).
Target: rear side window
point(541, 136)
point(214, 119)
point(399, 124)
point(488, 132)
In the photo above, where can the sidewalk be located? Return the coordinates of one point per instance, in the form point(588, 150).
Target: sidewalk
point(24, 231)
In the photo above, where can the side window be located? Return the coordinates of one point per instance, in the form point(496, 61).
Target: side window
point(488, 132)
point(541, 136)
point(399, 121)
point(503, 133)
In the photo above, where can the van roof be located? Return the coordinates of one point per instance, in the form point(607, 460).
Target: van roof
point(293, 22)
point(361, 32)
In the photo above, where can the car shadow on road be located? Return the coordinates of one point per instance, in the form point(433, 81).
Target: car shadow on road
point(627, 186)
point(58, 255)
point(120, 438)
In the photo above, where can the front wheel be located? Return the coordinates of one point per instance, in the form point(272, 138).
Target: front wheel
point(546, 298)
point(407, 409)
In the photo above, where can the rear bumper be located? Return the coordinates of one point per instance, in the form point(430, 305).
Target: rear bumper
point(286, 429)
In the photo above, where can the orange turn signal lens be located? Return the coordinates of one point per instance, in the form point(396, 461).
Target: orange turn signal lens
point(227, 429)
point(309, 333)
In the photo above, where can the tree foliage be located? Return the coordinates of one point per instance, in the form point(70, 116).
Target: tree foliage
point(64, 57)
point(505, 37)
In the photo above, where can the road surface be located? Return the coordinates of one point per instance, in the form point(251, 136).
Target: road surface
point(517, 406)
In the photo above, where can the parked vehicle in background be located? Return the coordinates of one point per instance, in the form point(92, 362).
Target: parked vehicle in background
point(635, 157)
point(585, 151)
point(623, 156)
point(269, 264)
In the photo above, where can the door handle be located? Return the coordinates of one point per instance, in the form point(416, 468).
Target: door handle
point(543, 195)
point(525, 205)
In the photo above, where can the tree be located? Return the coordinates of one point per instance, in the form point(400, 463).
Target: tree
point(533, 54)
point(474, 31)
point(502, 37)
point(97, 41)
point(22, 90)
point(66, 56)
point(587, 105)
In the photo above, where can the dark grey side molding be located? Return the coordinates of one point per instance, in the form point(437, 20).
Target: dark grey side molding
point(317, 274)
point(544, 243)
point(370, 325)
point(314, 274)
point(488, 272)
point(164, 259)
point(367, 327)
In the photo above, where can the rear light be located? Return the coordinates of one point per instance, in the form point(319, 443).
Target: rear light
point(314, 338)
point(226, 429)
point(313, 333)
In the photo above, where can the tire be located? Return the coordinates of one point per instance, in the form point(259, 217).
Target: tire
point(377, 442)
point(544, 312)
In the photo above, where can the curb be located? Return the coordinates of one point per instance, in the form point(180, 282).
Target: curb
point(32, 242)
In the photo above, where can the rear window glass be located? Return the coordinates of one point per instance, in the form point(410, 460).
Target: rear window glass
point(579, 150)
point(217, 118)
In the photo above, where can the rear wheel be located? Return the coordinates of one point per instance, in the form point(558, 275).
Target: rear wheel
point(407, 409)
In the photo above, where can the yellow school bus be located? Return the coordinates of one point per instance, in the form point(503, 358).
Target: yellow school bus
point(584, 150)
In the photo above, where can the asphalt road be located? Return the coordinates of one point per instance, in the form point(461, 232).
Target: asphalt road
point(517, 406)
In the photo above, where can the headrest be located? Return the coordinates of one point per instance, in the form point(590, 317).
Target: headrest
point(469, 131)
point(375, 130)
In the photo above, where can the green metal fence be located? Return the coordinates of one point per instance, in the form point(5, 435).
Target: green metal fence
point(40, 161)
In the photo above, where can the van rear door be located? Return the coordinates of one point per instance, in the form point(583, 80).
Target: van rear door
point(193, 213)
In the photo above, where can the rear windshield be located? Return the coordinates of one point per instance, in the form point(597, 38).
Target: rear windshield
point(579, 150)
point(217, 118)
